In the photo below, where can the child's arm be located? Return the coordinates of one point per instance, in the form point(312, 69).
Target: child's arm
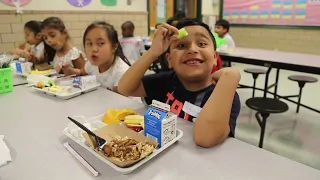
point(130, 83)
point(212, 124)
point(78, 67)
point(79, 63)
point(35, 59)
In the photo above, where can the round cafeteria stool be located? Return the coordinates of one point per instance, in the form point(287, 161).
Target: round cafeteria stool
point(264, 107)
point(302, 80)
point(255, 73)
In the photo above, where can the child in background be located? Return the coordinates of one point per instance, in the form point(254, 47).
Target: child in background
point(222, 28)
point(65, 58)
point(208, 100)
point(32, 31)
point(132, 46)
point(105, 55)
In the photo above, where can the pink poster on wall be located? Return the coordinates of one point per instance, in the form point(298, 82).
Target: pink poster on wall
point(273, 12)
point(11, 2)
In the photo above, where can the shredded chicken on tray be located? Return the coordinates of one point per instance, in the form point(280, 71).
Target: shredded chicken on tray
point(126, 149)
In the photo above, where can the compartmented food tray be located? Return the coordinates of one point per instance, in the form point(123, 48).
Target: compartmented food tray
point(96, 123)
point(51, 73)
point(72, 92)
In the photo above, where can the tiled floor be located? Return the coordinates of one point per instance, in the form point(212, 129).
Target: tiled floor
point(295, 136)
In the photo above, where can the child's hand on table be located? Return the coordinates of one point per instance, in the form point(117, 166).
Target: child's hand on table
point(163, 36)
point(27, 55)
point(68, 70)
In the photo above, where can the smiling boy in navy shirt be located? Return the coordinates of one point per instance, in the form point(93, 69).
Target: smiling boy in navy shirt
point(208, 100)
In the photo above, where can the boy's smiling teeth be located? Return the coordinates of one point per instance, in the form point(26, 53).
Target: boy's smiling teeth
point(193, 61)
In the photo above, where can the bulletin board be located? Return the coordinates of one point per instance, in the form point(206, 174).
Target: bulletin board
point(299, 13)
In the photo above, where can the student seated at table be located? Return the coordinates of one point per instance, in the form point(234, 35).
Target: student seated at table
point(32, 33)
point(132, 46)
point(194, 94)
point(106, 58)
point(222, 28)
point(65, 58)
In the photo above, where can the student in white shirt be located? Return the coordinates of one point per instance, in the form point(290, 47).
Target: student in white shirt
point(105, 55)
point(132, 46)
point(222, 28)
point(32, 32)
point(63, 56)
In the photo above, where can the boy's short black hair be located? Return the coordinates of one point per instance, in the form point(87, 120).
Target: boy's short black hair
point(224, 23)
point(128, 24)
point(195, 22)
point(170, 20)
point(180, 15)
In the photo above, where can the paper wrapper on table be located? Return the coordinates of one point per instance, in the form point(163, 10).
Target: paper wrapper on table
point(85, 82)
point(5, 156)
point(160, 123)
point(116, 129)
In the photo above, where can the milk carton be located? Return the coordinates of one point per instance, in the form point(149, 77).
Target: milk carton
point(160, 123)
point(23, 67)
point(84, 82)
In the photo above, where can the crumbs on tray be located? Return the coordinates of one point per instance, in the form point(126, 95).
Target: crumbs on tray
point(127, 149)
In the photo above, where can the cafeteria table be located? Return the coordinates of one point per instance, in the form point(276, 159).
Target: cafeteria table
point(18, 80)
point(33, 123)
point(306, 63)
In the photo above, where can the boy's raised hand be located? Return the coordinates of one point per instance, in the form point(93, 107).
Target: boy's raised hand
point(163, 36)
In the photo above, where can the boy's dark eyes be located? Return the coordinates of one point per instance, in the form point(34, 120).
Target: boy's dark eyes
point(100, 43)
point(201, 44)
point(181, 46)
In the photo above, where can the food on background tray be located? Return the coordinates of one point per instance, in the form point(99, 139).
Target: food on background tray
point(40, 85)
point(127, 149)
point(50, 86)
point(117, 115)
point(37, 72)
point(55, 88)
point(134, 122)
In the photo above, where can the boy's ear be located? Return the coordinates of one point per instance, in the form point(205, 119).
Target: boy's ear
point(168, 57)
point(216, 55)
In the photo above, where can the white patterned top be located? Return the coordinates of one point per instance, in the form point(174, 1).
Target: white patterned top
point(73, 54)
point(110, 78)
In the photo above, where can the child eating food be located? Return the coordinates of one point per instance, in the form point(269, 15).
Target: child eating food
point(32, 32)
point(64, 57)
point(210, 101)
point(106, 58)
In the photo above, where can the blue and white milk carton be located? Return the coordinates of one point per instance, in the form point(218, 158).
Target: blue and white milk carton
point(160, 123)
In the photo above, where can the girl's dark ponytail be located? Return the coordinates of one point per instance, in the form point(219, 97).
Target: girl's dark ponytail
point(119, 52)
point(49, 52)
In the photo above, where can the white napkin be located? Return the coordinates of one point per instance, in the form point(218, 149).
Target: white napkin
point(5, 156)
